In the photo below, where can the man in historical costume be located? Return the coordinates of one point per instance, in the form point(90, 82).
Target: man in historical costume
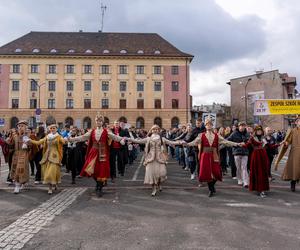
point(208, 142)
point(97, 155)
point(20, 163)
point(291, 170)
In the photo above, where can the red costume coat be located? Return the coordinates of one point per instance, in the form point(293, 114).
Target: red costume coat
point(259, 162)
point(97, 157)
point(210, 168)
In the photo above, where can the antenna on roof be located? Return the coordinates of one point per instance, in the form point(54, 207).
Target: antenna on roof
point(103, 9)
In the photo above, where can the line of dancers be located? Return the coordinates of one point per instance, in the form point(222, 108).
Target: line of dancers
point(97, 160)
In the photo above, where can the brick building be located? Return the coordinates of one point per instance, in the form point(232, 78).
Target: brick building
point(139, 78)
point(262, 85)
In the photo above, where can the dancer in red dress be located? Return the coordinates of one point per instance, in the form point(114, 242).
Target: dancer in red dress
point(97, 155)
point(259, 162)
point(210, 169)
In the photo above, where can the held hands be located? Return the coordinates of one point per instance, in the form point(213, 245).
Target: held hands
point(241, 144)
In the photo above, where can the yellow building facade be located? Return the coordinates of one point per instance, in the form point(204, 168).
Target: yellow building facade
point(70, 88)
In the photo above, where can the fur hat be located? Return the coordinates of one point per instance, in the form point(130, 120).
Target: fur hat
point(99, 117)
point(208, 120)
point(258, 127)
point(23, 122)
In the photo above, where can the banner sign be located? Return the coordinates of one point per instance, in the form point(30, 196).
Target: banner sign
point(277, 107)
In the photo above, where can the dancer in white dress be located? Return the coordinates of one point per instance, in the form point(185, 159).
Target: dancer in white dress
point(155, 157)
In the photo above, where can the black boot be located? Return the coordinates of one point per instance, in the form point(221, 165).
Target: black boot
point(213, 186)
point(97, 186)
point(99, 189)
point(293, 186)
point(211, 189)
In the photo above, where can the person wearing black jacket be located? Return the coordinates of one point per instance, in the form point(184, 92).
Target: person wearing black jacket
point(270, 148)
point(200, 128)
point(241, 154)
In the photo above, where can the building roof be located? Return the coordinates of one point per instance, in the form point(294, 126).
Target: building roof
point(92, 44)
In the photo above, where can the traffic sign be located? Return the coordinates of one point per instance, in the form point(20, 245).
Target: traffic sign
point(38, 111)
point(2, 122)
point(38, 118)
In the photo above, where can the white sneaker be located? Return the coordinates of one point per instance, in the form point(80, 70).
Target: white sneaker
point(240, 183)
point(234, 178)
point(37, 182)
point(186, 168)
point(192, 176)
point(17, 189)
point(263, 195)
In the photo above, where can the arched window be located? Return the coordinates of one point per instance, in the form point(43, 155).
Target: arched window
point(157, 52)
point(32, 122)
point(53, 51)
point(105, 51)
point(36, 50)
point(69, 121)
point(71, 51)
point(140, 51)
point(123, 119)
point(140, 122)
point(106, 120)
point(158, 121)
point(87, 123)
point(13, 122)
point(18, 50)
point(123, 51)
point(50, 120)
point(174, 122)
point(88, 51)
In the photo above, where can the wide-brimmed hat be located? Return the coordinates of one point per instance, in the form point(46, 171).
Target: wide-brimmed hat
point(23, 122)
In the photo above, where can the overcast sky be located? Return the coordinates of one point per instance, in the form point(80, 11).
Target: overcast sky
point(229, 38)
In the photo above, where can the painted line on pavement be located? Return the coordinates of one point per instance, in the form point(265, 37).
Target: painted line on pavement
point(136, 173)
point(17, 234)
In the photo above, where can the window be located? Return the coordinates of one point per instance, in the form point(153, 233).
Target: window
point(15, 85)
point(140, 51)
point(104, 103)
point(16, 68)
point(140, 103)
point(33, 85)
point(123, 69)
point(15, 103)
point(140, 69)
point(53, 51)
point(174, 122)
point(71, 51)
point(157, 86)
point(52, 69)
point(70, 69)
point(140, 86)
point(157, 52)
point(51, 86)
point(105, 69)
point(105, 51)
point(140, 122)
point(34, 68)
point(36, 50)
point(88, 69)
point(70, 86)
point(105, 86)
point(174, 70)
point(87, 103)
point(122, 86)
point(69, 103)
point(123, 51)
point(51, 103)
point(175, 86)
point(158, 121)
point(175, 103)
point(18, 50)
point(33, 103)
point(157, 104)
point(157, 70)
point(88, 51)
point(122, 104)
point(87, 85)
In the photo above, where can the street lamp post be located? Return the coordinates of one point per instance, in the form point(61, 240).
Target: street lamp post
point(246, 99)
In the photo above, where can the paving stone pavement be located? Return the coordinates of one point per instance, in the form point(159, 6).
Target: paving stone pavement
point(17, 234)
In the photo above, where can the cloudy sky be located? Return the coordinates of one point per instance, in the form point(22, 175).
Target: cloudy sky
point(229, 38)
